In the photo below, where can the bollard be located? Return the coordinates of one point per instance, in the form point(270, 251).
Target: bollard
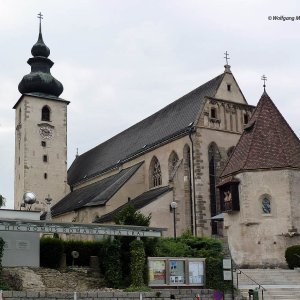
point(141, 296)
point(197, 297)
point(75, 295)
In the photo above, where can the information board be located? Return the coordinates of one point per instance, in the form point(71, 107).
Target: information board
point(196, 272)
point(157, 272)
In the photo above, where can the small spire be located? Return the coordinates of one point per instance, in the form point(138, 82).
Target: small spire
point(226, 57)
point(227, 66)
point(76, 153)
point(40, 16)
point(264, 78)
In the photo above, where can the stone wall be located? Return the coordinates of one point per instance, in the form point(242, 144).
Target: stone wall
point(183, 294)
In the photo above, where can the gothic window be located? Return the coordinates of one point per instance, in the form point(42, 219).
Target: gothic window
point(188, 188)
point(228, 87)
point(246, 119)
point(173, 160)
point(45, 158)
point(43, 144)
point(213, 113)
point(46, 113)
point(266, 205)
point(45, 175)
point(213, 158)
point(155, 173)
point(20, 116)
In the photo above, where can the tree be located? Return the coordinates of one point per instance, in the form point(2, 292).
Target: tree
point(129, 216)
point(2, 201)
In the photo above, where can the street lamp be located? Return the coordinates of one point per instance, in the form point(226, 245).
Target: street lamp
point(174, 206)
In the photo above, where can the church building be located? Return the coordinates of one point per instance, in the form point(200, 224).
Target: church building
point(174, 156)
point(206, 155)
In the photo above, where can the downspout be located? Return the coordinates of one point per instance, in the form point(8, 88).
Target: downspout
point(191, 130)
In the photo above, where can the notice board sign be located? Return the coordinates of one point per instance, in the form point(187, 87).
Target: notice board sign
point(176, 271)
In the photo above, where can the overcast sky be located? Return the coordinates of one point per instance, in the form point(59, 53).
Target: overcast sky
point(122, 60)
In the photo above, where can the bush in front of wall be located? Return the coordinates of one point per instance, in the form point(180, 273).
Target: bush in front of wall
point(112, 264)
point(51, 250)
point(292, 256)
point(137, 263)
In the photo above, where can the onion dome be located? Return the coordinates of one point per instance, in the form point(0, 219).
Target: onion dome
point(40, 80)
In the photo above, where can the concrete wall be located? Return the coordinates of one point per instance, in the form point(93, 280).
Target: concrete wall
point(256, 238)
point(21, 249)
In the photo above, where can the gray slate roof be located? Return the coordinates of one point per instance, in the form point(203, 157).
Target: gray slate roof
point(138, 202)
point(95, 194)
point(171, 121)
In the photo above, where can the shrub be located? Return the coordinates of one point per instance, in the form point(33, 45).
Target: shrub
point(112, 264)
point(2, 243)
point(51, 250)
point(292, 256)
point(137, 263)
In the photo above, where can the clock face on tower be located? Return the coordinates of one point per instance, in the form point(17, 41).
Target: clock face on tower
point(46, 132)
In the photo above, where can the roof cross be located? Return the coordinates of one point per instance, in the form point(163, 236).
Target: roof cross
point(40, 16)
point(264, 78)
point(226, 57)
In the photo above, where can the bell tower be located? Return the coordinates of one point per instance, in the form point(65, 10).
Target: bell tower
point(41, 131)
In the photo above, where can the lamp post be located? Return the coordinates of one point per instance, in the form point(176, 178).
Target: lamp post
point(174, 206)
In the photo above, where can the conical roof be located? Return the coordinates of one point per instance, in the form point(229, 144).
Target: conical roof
point(268, 142)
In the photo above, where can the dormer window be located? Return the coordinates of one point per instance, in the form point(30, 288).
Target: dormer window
point(228, 87)
point(46, 113)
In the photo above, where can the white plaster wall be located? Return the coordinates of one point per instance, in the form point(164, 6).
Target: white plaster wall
point(234, 94)
point(257, 239)
point(161, 215)
point(29, 173)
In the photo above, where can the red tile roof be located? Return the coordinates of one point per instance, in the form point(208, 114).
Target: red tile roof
point(267, 142)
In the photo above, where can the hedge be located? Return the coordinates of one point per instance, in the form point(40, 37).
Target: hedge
point(51, 250)
point(292, 256)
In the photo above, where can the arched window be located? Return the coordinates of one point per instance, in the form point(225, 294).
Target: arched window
point(155, 173)
point(173, 160)
point(46, 113)
point(188, 188)
point(266, 205)
point(213, 158)
point(246, 118)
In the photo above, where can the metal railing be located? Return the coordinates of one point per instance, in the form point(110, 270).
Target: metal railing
point(238, 272)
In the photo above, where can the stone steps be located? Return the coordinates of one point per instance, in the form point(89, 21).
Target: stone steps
point(280, 284)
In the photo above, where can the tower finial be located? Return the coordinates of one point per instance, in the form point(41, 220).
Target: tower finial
point(40, 16)
point(227, 67)
point(226, 57)
point(264, 78)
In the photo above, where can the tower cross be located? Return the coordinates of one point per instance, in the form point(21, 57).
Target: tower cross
point(264, 78)
point(226, 57)
point(40, 16)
